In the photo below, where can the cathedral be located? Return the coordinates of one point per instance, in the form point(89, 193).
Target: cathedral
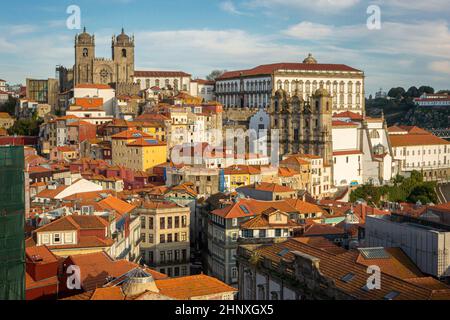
point(90, 69)
point(303, 127)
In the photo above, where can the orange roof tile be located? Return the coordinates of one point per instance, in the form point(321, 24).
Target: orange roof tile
point(186, 288)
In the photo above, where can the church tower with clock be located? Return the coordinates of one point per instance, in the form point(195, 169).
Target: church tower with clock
point(117, 71)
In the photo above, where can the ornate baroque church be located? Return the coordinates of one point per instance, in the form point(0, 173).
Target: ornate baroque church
point(303, 127)
point(89, 69)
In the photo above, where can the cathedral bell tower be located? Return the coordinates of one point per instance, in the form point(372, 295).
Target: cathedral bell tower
point(321, 105)
point(123, 57)
point(84, 58)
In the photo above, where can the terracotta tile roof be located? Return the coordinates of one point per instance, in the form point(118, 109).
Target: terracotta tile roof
point(146, 142)
point(346, 153)
point(186, 288)
point(96, 268)
point(130, 134)
point(268, 187)
point(30, 283)
point(169, 74)
point(262, 222)
point(415, 139)
point(242, 169)
point(68, 223)
point(251, 207)
point(303, 206)
point(321, 230)
point(294, 160)
point(38, 169)
point(348, 114)
point(271, 68)
point(110, 294)
point(89, 102)
point(5, 115)
point(92, 86)
point(40, 255)
point(336, 265)
point(113, 203)
point(397, 265)
point(160, 205)
point(338, 123)
point(287, 172)
point(85, 196)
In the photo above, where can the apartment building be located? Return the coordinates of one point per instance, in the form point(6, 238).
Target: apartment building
point(165, 236)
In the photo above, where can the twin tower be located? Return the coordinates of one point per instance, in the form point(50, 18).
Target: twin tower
point(89, 69)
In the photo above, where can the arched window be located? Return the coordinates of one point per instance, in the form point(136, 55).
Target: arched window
point(124, 53)
point(286, 86)
point(261, 292)
point(374, 134)
point(279, 84)
point(85, 52)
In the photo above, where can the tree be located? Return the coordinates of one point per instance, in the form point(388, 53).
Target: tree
point(413, 92)
point(424, 193)
point(426, 89)
point(9, 106)
point(215, 74)
point(396, 93)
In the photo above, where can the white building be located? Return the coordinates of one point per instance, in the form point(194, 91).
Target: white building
point(3, 85)
point(254, 87)
point(361, 150)
point(176, 80)
point(105, 92)
point(417, 149)
point(203, 88)
point(433, 100)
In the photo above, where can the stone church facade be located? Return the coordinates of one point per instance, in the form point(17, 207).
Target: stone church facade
point(90, 69)
point(304, 127)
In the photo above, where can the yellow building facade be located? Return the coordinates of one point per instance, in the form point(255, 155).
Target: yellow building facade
point(137, 150)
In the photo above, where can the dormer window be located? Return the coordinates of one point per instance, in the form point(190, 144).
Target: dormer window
point(57, 238)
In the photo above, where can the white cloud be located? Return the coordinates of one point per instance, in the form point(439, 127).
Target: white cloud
point(317, 5)
point(440, 66)
point(229, 7)
point(430, 38)
point(416, 5)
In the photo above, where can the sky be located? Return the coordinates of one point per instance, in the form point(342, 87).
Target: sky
point(411, 47)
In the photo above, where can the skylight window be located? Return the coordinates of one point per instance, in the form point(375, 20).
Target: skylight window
point(283, 252)
point(244, 208)
point(391, 295)
point(348, 277)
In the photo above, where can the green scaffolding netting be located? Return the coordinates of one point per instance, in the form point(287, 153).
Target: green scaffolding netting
point(12, 239)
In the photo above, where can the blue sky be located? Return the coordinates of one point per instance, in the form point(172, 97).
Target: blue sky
point(411, 48)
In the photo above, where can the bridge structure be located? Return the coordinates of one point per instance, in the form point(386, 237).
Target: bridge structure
point(443, 133)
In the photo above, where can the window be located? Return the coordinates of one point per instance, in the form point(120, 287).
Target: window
point(183, 237)
point(169, 223)
point(143, 224)
point(177, 222)
point(162, 223)
point(124, 53)
point(234, 272)
point(169, 238)
point(277, 233)
point(162, 238)
point(184, 221)
point(150, 223)
point(234, 222)
point(56, 238)
point(151, 238)
point(162, 257)
point(143, 236)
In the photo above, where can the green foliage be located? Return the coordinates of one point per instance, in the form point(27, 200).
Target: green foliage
point(396, 93)
point(9, 106)
point(410, 189)
point(426, 89)
point(25, 127)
